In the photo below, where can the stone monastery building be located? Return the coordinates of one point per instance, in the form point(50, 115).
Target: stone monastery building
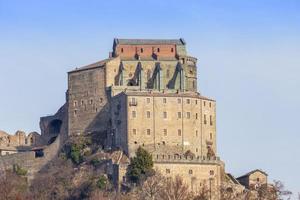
point(145, 94)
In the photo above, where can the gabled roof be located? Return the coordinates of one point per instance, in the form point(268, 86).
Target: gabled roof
point(100, 63)
point(149, 41)
point(253, 171)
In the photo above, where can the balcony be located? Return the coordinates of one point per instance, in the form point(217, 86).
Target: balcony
point(133, 103)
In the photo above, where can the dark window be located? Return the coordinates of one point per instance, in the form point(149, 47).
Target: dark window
point(205, 119)
point(172, 49)
point(142, 50)
point(188, 101)
point(188, 115)
point(122, 50)
point(165, 115)
point(164, 100)
point(158, 50)
point(148, 131)
point(179, 115)
point(210, 120)
point(179, 132)
point(168, 171)
point(211, 172)
point(190, 171)
point(148, 114)
point(134, 131)
point(165, 132)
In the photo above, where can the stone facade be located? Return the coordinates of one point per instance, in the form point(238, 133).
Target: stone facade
point(254, 179)
point(145, 94)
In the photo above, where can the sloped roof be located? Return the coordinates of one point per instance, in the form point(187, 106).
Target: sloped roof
point(100, 63)
point(251, 172)
point(149, 41)
point(232, 178)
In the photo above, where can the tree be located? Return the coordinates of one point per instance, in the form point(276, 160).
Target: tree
point(140, 166)
point(175, 189)
point(152, 188)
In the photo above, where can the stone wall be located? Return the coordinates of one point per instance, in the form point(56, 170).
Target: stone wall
point(158, 120)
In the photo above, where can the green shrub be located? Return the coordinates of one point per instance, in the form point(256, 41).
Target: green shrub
point(75, 153)
point(95, 162)
point(19, 171)
point(102, 182)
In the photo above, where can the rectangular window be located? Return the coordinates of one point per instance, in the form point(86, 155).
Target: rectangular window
point(134, 131)
point(203, 103)
point(164, 100)
point(75, 112)
point(91, 101)
point(205, 122)
point(165, 132)
point(196, 115)
point(178, 100)
point(210, 104)
point(165, 115)
point(75, 103)
point(196, 102)
point(196, 133)
point(179, 132)
point(210, 136)
point(168, 171)
point(188, 101)
point(210, 120)
point(190, 171)
point(188, 115)
point(133, 114)
point(179, 115)
point(148, 114)
point(148, 131)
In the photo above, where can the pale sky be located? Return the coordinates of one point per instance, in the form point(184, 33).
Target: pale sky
point(248, 60)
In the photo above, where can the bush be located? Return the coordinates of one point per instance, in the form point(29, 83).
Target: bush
point(95, 162)
point(76, 154)
point(102, 182)
point(140, 166)
point(19, 171)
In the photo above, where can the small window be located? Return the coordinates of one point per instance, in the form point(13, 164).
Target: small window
point(179, 115)
point(158, 50)
point(82, 102)
point(163, 142)
point(211, 136)
point(122, 50)
point(75, 103)
point(190, 171)
point(91, 101)
point(101, 100)
point(197, 150)
point(210, 104)
point(196, 133)
point(168, 171)
point(164, 100)
point(188, 101)
point(26, 141)
point(148, 114)
point(148, 100)
point(178, 100)
point(134, 131)
point(196, 102)
point(196, 115)
point(165, 132)
point(204, 103)
point(179, 132)
point(133, 114)
point(142, 50)
point(257, 179)
point(31, 141)
point(211, 172)
point(172, 50)
point(135, 142)
point(210, 120)
point(165, 115)
point(205, 122)
point(188, 115)
point(148, 131)
point(75, 112)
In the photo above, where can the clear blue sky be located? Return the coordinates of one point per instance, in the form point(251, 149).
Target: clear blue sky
point(249, 61)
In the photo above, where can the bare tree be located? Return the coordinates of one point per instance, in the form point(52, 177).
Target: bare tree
point(152, 187)
point(175, 189)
